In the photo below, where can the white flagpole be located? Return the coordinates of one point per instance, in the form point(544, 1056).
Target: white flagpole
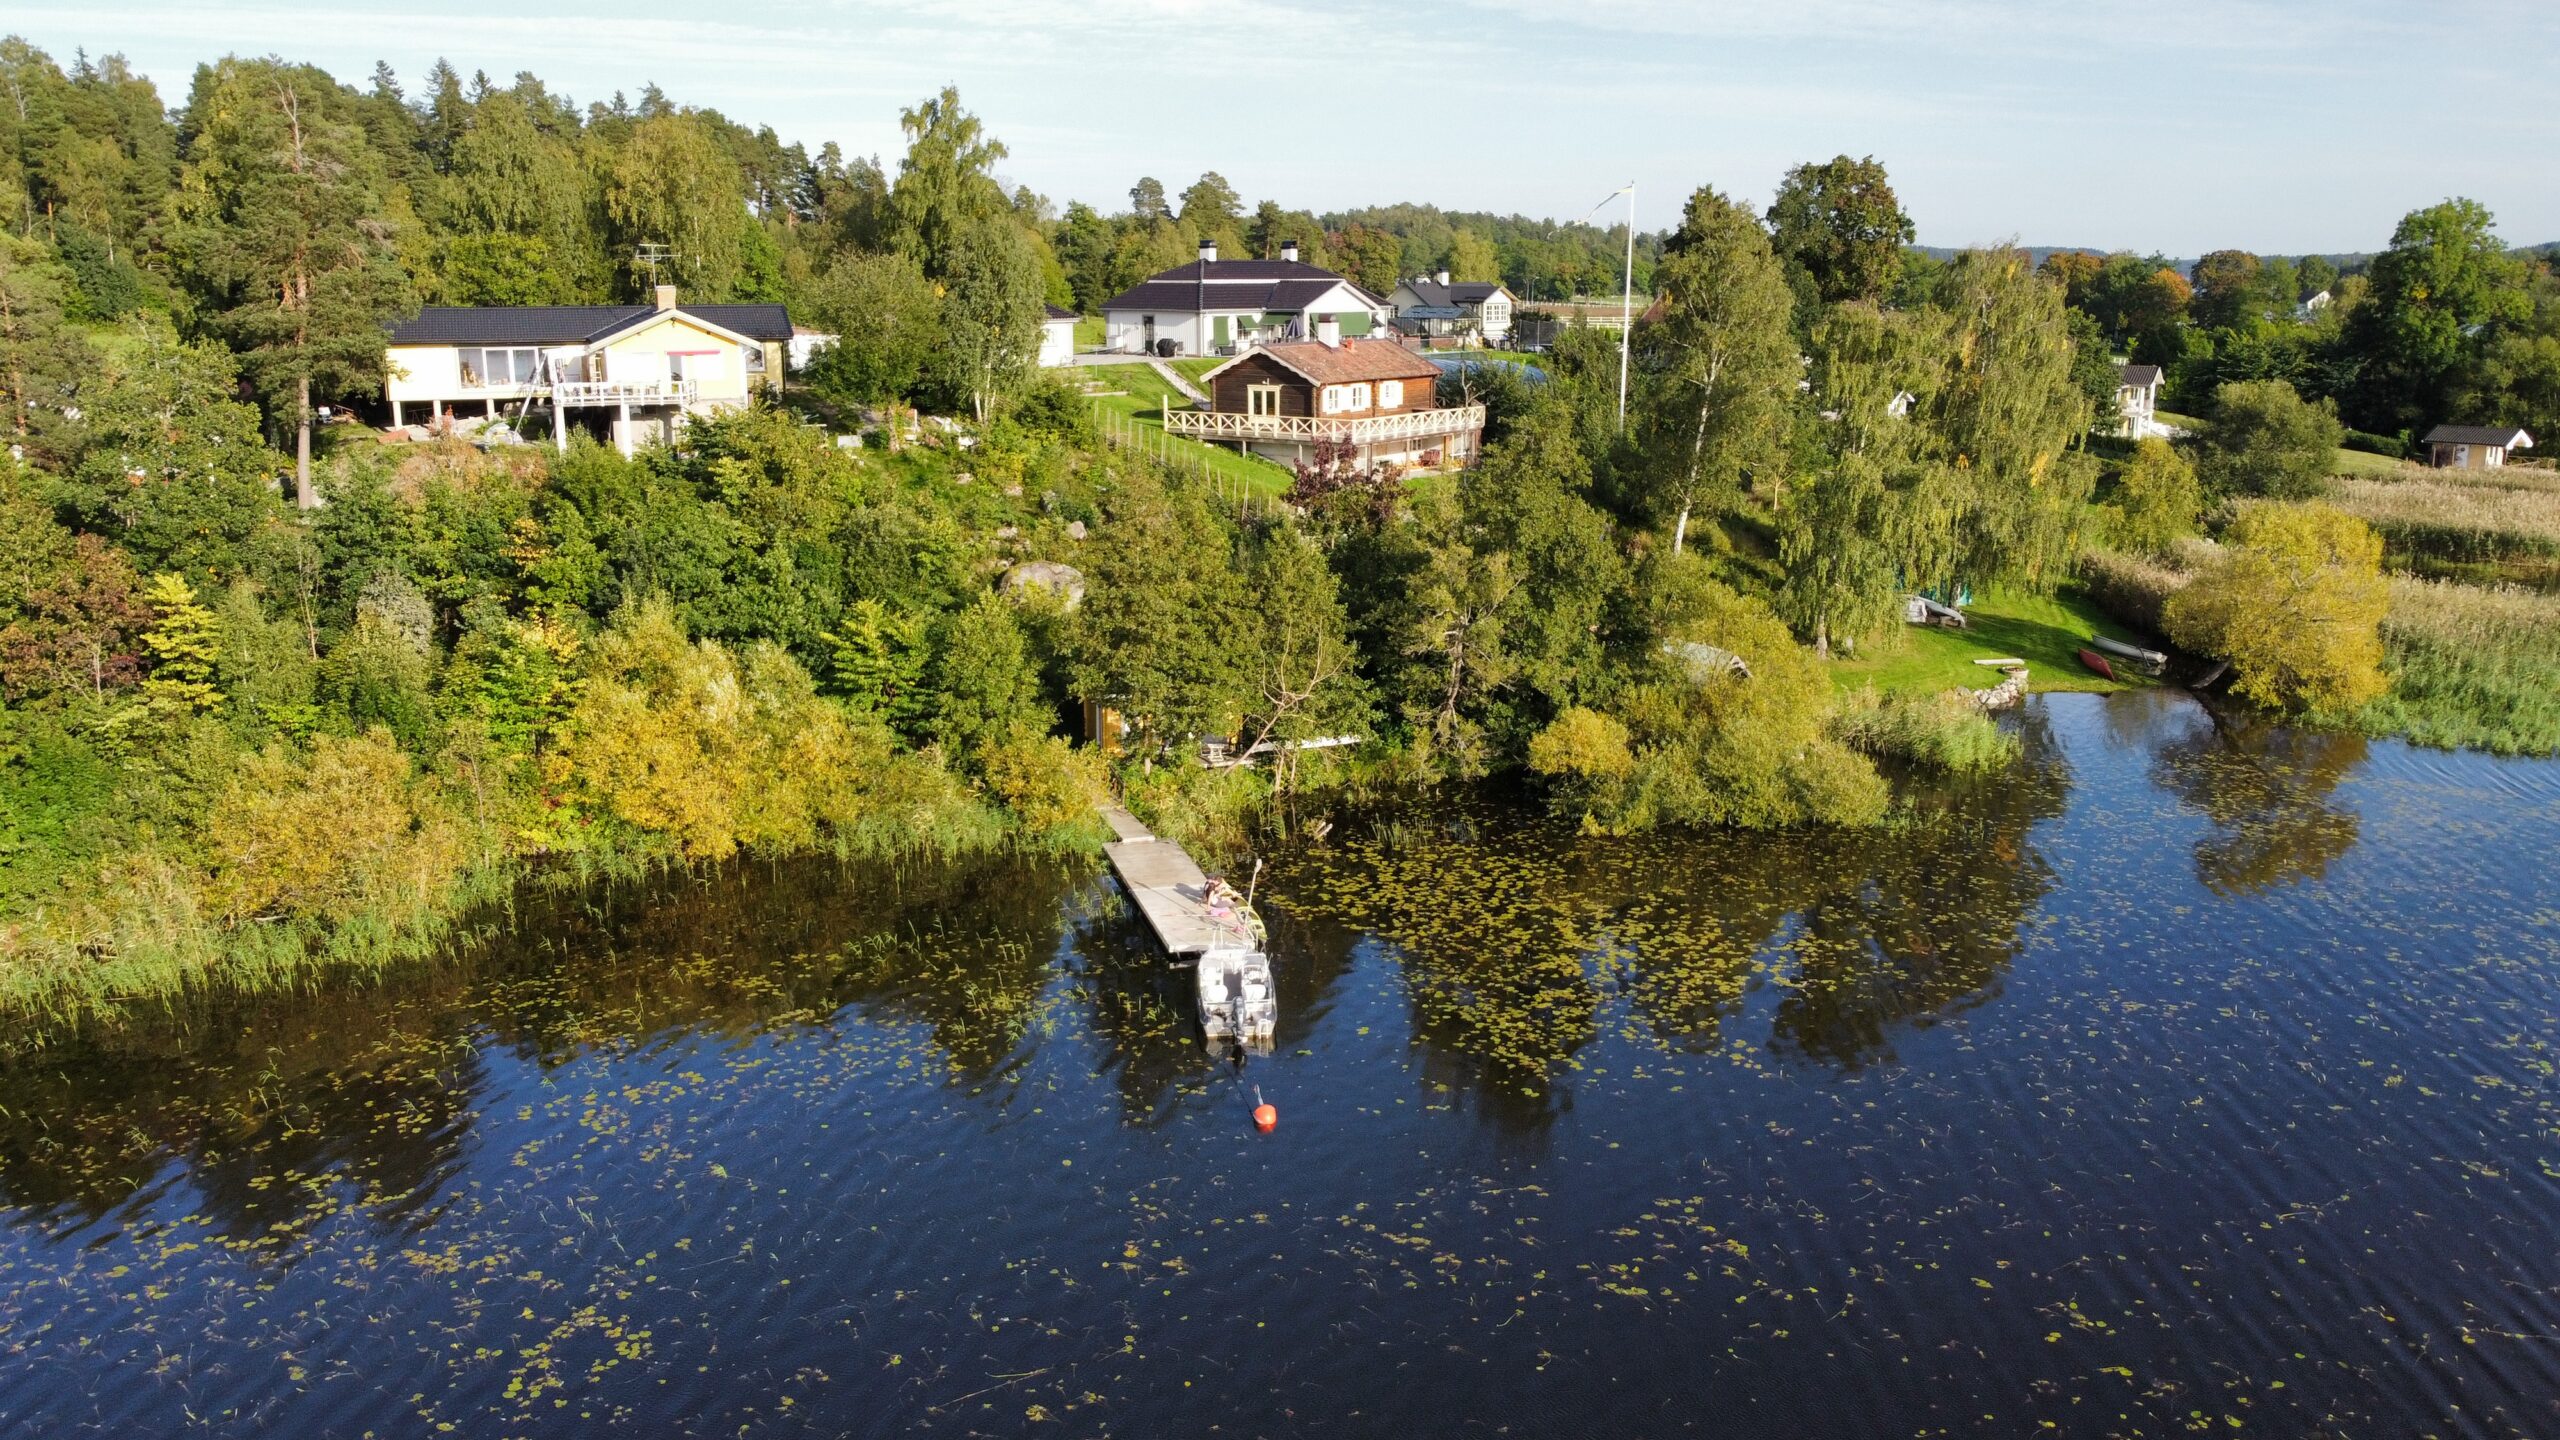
point(1627, 295)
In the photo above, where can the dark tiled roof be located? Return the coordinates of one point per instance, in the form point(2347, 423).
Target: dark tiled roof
point(1462, 292)
point(2507, 435)
point(1283, 286)
point(2138, 376)
point(570, 324)
point(1355, 360)
point(1060, 313)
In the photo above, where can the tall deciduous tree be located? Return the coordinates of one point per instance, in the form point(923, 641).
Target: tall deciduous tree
point(1719, 363)
point(1840, 222)
point(286, 236)
point(2445, 273)
point(2010, 414)
point(669, 183)
point(945, 183)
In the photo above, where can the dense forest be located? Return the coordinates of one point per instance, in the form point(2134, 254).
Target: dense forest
point(280, 694)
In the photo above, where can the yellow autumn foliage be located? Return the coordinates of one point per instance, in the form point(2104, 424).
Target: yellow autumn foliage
point(2294, 601)
point(341, 830)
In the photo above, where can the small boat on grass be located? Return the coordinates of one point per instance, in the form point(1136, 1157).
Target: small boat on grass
point(2098, 663)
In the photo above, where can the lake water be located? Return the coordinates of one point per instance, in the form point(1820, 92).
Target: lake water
point(2189, 1081)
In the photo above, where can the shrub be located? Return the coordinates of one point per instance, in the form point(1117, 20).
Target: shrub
point(1945, 731)
point(2156, 498)
point(1051, 787)
point(2133, 588)
point(2295, 602)
point(1583, 744)
point(2264, 440)
point(329, 835)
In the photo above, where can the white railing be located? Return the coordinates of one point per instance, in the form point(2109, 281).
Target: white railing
point(625, 392)
point(1357, 430)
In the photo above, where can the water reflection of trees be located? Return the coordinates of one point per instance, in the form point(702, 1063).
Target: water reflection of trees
point(1927, 918)
point(2267, 789)
point(279, 1112)
point(1515, 934)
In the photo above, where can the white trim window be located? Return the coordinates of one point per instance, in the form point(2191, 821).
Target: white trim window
point(1339, 398)
point(1390, 394)
point(1330, 402)
point(1262, 399)
point(492, 368)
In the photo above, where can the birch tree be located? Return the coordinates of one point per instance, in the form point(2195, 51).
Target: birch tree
point(1720, 367)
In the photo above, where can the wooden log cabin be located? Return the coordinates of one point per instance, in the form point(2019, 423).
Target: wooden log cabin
point(1375, 397)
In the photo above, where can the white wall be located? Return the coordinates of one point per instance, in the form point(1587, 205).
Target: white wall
point(1057, 342)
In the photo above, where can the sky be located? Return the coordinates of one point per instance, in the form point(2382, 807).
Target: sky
point(2176, 126)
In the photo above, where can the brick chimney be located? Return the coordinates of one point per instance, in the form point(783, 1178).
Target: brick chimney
point(1289, 251)
point(666, 297)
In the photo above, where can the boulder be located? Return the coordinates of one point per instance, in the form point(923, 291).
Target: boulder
point(1048, 576)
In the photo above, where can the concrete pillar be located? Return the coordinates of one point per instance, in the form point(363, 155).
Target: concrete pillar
point(622, 431)
point(395, 414)
point(559, 425)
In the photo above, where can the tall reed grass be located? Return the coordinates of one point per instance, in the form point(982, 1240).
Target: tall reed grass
point(2472, 667)
point(2467, 520)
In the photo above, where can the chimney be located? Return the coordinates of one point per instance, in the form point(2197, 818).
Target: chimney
point(1329, 333)
point(1443, 278)
point(1208, 252)
point(1289, 251)
point(666, 297)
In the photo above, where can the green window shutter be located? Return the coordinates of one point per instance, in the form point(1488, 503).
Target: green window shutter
point(1218, 330)
point(1354, 322)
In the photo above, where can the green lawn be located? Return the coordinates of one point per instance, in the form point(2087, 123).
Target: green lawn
point(2366, 465)
point(2046, 631)
point(1142, 409)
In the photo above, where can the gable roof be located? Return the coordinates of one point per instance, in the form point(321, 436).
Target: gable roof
point(1059, 313)
point(1460, 292)
point(572, 324)
point(2506, 435)
point(2140, 377)
point(1281, 286)
point(1357, 360)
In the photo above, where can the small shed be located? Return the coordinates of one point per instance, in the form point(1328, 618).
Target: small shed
point(1706, 662)
point(2473, 447)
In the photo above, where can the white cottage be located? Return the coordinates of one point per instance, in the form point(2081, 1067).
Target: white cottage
point(1225, 307)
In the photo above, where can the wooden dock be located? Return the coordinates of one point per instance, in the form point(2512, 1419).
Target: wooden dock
point(1219, 944)
point(1171, 892)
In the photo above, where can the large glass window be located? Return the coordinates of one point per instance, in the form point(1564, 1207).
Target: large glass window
point(490, 366)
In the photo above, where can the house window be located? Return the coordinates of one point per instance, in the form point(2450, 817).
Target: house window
point(1262, 399)
point(752, 356)
point(1355, 397)
point(485, 367)
point(1331, 400)
point(1390, 394)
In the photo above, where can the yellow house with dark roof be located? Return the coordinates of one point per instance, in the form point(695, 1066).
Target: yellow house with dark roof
point(633, 373)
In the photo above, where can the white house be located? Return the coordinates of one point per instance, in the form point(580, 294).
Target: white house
point(1434, 305)
point(1223, 307)
point(2138, 402)
point(2473, 447)
point(1057, 337)
point(633, 373)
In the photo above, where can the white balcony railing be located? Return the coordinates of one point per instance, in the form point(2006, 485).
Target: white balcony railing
point(625, 392)
point(1355, 430)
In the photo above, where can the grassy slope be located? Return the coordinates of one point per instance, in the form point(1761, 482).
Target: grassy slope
point(1143, 407)
point(2045, 631)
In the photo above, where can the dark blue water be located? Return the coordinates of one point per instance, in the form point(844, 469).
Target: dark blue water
point(2190, 1081)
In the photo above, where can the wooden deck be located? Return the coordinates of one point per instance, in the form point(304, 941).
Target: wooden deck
point(1171, 892)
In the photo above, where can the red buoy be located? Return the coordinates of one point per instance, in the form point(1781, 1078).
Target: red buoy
point(1265, 1117)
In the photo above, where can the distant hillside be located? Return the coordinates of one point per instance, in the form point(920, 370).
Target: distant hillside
point(2349, 262)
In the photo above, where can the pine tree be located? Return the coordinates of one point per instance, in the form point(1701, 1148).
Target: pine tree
point(285, 237)
point(185, 643)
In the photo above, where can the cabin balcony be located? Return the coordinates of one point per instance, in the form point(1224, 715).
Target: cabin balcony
point(1365, 430)
point(626, 392)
